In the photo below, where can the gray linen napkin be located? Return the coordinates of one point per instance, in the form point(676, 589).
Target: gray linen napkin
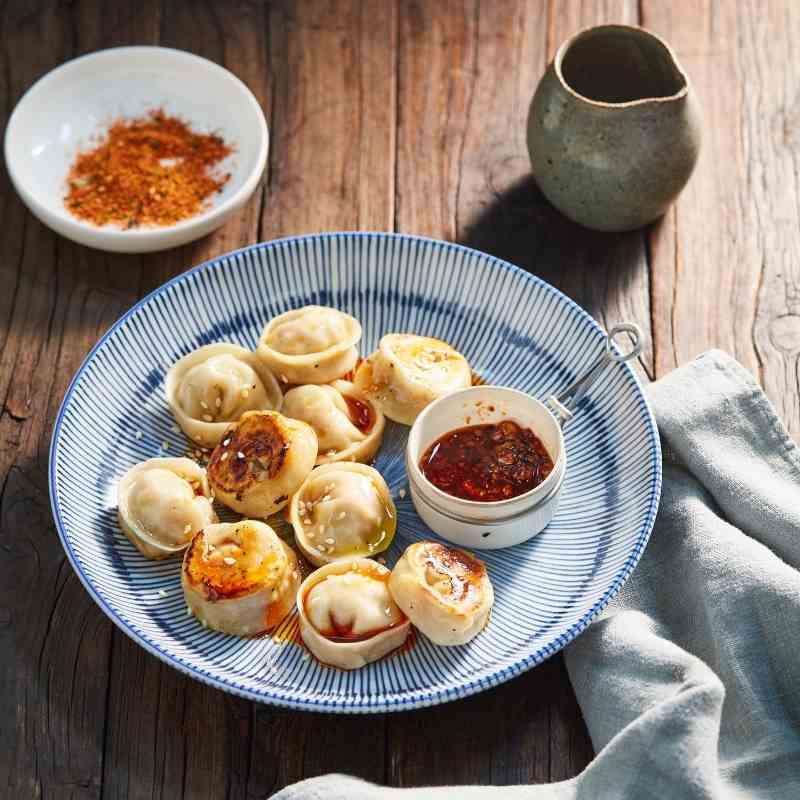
point(689, 684)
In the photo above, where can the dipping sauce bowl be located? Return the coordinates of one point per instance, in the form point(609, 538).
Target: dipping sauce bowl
point(491, 525)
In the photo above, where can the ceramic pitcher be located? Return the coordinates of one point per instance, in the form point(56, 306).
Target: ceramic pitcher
point(614, 128)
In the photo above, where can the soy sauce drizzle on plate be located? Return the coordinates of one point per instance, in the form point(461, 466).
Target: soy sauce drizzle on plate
point(487, 463)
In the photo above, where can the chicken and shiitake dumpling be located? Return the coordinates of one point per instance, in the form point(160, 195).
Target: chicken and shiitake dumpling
point(162, 503)
point(347, 615)
point(444, 591)
point(312, 344)
point(240, 577)
point(214, 385)
point(348, 425)
point(261, 462)
point(408, 372)
point(343, 511)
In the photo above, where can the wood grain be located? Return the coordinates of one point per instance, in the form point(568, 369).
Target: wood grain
point(406, 115)
point(333, 134)
point(727, 256)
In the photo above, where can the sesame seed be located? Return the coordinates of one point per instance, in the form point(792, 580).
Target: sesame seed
point(218, 402)
point(401, 494)
point(203, 404)
point(387, 611)
point(342, 515)
point(226, 442)
point(389, 513)
point(240, 454)
point(294, 574)
point(138, 434)
point(188, 611)
point(284, 378)
point(325, 498)
point(165, 445)
point(175, 429)
point(223, 456)
point(162, 593)
point(208, 418)
point(330, 541)
point(187, 529)
point(229, 561)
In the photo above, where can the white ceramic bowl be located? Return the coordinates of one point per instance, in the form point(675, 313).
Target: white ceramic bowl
point(58, 115)
point(479, 525)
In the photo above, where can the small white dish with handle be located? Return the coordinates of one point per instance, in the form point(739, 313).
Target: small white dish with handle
point(502, 523)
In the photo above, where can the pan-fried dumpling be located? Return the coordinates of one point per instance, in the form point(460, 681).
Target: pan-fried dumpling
point(261, 461)
point(162, 504)
point(214, 385)
point(408, 372)
point(348, 426)
point(445, 592)
point(239, 577)
point(313, 344)
point(343, 510)
point(347, 616)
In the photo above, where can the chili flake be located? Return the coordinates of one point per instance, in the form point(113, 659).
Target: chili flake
point(153, 171)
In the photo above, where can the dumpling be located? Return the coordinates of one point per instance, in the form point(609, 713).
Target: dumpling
point(343, 510)
point(347, 616)
point(408, 372)
point(348, 426)
point(162, 504)
point(313, 344)
point(239, 577)
point(445, 592)
point(214, 385)
point(261, 461)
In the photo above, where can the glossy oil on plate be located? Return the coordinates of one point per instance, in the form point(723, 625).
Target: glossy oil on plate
point(515, 330)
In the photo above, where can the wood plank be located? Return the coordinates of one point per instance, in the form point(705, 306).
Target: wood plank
point(332, 163)
point(331, 168)
point(167, 735)
point(54, 642)
point(727, 259)
point(467, 73)
point(504, 212)
point(705, 281)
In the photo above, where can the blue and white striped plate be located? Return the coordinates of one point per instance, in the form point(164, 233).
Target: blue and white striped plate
point(515, 330)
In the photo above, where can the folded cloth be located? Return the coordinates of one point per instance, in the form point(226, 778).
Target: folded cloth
point(689, 683)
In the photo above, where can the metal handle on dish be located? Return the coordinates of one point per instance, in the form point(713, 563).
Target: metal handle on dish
point(564, 404)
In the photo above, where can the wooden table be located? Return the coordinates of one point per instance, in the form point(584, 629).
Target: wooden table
point(406, 116)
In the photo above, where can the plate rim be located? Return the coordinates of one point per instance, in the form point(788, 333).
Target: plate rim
point(432, 697)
